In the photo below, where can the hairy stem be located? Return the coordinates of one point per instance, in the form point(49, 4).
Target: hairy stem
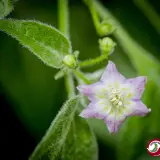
point(96, 20)
point(94, 61)
point(69, 83)
point(63, 16)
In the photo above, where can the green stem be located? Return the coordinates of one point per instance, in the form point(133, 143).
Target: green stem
point(69, 83)
point(63, 14)
point(96, 20)
point(94, 14)
point(149, 12)
point(94, 61)
point(59, 74)
point(81, 76)
point(63, 19)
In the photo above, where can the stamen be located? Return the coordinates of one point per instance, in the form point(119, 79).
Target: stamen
point(120, 103)
point(116, 98)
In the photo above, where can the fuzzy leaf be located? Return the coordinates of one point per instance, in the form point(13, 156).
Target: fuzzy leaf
point(69, 136)
point(46, 42)
point(53, 141)
point(5, 8)
point(80, 143)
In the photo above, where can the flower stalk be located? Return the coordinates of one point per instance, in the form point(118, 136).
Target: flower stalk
point(81, 76)
point(103, 28)
point(64, 28)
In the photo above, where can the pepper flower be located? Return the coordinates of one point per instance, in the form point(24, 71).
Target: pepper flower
point(114, 98)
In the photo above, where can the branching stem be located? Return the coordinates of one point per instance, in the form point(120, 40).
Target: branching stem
point(64, 28)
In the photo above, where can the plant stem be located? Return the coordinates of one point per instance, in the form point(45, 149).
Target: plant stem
point(94, 14)
point(149, 12)
point(94, 61)
point(59, 74)
point(96, 20)
point(69, 83)
point(63, 16)
point(63, 19)
point(81, 76)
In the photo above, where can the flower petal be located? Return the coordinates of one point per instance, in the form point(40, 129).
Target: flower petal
point(85, 89)
point(88, 112)
point(97, 110)
point(113, 126)
point(113, 122)
point(93, 91)
point(111, 72)
point(138, 83)
point(137, 108)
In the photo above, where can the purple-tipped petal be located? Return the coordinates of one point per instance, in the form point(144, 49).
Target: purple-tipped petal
point(85, 89)
point(138, 109)
point(113, 124)
point(91, 91)
point(111, 72)
point(138, 83)
point(88, 112)
point(95, 111)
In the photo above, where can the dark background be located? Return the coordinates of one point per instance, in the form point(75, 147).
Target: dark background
point(29, 95)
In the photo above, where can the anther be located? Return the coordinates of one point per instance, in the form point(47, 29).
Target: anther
point(115, 98)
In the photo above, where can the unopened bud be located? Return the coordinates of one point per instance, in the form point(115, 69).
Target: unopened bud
point(107, 45)
point(70, 61)
point(105, 28)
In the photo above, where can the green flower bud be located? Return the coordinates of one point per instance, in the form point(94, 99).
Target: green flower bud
point(70, 61)
point(105, 28)
point(107, 45)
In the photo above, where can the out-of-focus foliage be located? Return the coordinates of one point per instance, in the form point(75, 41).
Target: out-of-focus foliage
point(5, 7)
point(36, 97)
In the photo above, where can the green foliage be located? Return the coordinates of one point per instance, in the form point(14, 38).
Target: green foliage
point(52, 143)
point(44, 41)
point(69, 136)
point(30, 86)
point(80, 142)
point(5, 7)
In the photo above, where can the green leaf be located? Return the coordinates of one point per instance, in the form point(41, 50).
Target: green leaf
point(5, 8)
point(46, 42)
point(53, 141)
point(80, 143)
point(69, 136)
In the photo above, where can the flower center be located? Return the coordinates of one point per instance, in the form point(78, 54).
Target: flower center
point(116, 98)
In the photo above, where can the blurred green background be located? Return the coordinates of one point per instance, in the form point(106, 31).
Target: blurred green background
point(30, 97)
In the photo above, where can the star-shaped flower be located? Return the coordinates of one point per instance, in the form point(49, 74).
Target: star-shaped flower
point(114, 98)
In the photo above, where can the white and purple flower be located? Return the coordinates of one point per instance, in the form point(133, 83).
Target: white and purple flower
point(114, 98)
